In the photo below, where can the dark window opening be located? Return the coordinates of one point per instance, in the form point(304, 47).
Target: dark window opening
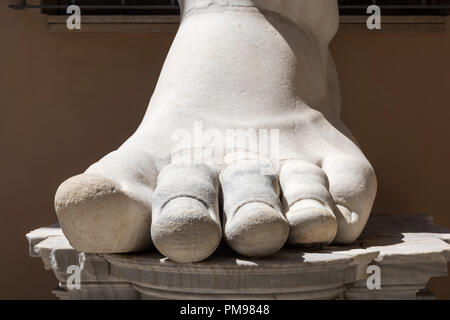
point(170, 7)
point(114, 7)
point(397, 7)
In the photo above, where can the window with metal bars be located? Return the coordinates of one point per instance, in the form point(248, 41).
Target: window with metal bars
point(170, 7)
point(397, 7)
point(113, 7)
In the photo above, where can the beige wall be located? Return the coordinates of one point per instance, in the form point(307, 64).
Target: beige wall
point(55, 90)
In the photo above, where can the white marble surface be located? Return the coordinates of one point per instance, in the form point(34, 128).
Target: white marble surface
point(409, 249)
point(244, 80)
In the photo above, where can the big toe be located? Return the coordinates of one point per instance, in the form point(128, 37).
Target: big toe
point(96, 215)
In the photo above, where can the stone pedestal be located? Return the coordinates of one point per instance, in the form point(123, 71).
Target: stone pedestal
point(408, 249)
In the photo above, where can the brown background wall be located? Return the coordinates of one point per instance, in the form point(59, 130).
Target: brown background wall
point(67, 99)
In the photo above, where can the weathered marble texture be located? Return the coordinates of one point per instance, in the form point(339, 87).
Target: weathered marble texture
point(409, 249)
point(234, 65)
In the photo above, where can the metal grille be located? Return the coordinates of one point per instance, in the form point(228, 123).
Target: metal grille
point(170, 7)
point(396, 7)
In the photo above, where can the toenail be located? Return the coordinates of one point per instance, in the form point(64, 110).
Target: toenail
point(256, 229)
point(311, 225)
point(185, 230)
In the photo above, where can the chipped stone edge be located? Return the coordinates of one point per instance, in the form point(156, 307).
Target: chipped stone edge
point(49, 242)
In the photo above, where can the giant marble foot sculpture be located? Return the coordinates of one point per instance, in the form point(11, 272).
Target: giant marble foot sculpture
point(234, 64)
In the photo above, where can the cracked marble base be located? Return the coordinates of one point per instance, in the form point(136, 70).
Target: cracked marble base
point(408, 249)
